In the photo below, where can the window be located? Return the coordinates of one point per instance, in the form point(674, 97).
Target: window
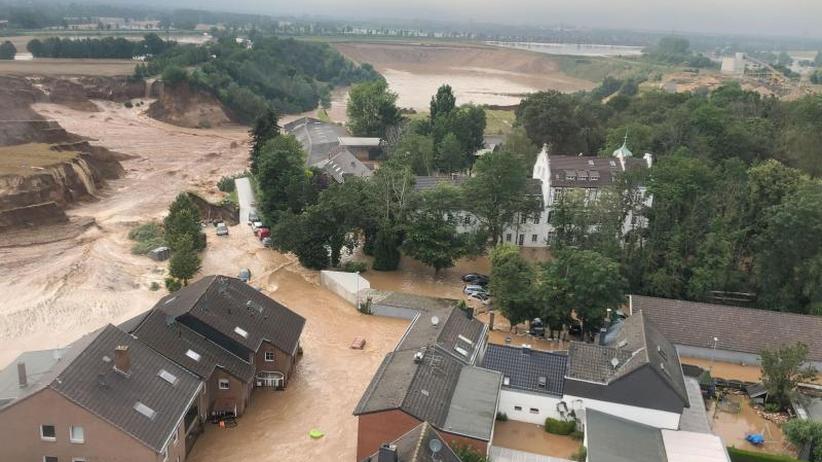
point(550, 215)
point(167, 376)
point(77, 434)
point(461, 350)
point(523, 218)
point(48, 433)
point(49, 458)
point(193, 355)
point(241, 332)
point(269, 356)
point(506, 381)
point(508, 237)
point(533, 238)
point(517, 408)
point(145, 410)
point(537, 218)
point(467, 220)
point(224, 384)
point(534, 410)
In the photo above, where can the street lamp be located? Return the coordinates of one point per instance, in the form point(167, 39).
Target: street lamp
point(713, 354)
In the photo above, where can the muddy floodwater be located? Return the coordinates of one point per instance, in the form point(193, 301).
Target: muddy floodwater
point(54, 293)
point(533, 438)
point(733, 427)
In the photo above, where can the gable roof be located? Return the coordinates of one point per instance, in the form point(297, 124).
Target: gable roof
point(588, 171)
point(91, 382)
point(523, 368)
point(454, 332)
point(744, 330)
point(414, 446)
point(173, 340)
point(341, 163)
point(613, 439)
point(435, 389)
point(226, 304)
point(316, 137)
point(630, 345)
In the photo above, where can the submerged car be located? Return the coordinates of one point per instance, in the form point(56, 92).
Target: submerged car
point(484, 298)
point(475, 289)
point(252, 217)
point(476, 279)
point(222, 229)
point(245, 275)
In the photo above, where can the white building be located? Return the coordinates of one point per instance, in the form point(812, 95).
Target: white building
point(633, 373)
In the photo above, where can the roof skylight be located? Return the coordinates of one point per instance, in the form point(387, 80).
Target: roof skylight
point(145, 410)
point(241, 332)
point(167, 376)
point(193, 355)
point(465, 339)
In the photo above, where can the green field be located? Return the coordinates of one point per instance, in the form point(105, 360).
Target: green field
point(27, 159)
point(596, 69)
point(497, 121)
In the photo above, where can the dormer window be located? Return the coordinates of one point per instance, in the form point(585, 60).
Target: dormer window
point(570, 175)
point(593, 175)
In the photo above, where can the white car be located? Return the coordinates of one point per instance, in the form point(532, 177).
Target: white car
point(222, 229)
point(256, 224)
point(475, 289)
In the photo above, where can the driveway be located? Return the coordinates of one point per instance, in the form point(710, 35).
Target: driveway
point(245, 195)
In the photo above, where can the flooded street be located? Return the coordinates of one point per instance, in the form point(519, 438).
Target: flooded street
point(58, 291)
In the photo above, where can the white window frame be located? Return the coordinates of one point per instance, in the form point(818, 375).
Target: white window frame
point(518, 408)
point(71, 435)
point(265, 356)
point(56, 457)
point(534, 410)
point(48, 438)
point(220, 383)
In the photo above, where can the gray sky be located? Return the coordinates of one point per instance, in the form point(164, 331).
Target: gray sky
point(756, 17)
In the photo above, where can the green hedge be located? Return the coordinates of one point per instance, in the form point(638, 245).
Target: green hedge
point(560, 427)
point(739, 455)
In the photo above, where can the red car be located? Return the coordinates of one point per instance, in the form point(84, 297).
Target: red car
point(262, 233)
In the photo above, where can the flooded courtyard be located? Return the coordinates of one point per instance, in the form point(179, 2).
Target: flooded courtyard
point(533, 438)
point(733, 427)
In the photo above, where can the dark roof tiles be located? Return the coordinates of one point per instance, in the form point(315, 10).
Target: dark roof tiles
point(523, 368)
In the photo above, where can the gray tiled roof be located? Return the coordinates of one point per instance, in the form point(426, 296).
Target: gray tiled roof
point(634, 343)
point(316, 137)
point(414, 446)
point(91, 382)
point(454, 333)
point(744, 330)
point(172, 340)
point(434, 390)
point(588, 171)
point(524, 367)
point(424, 183)
point(341, 163)
point(613, 439)
point(39, 366)
point(225, 303)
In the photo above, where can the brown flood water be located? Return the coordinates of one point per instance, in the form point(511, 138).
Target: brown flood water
point(733, 428)
point(533, 438)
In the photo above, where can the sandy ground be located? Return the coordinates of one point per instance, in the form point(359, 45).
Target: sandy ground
point(533, 438)
point(56, 66)
point(479, 74)
point(56, 292)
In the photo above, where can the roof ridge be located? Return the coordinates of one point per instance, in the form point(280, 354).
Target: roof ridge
point(420, 438)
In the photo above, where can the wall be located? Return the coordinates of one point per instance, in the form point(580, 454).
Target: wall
point(377, 428)
point(652, 417)
point(454, 441)
point(727, 356)
point(546, 404)
point(238, 390)
point(20, 433)
point(283, 362)
point(344, 285)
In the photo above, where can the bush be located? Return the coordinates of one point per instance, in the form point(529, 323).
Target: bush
point(739, 455)
point(173, 75)
point(173, 285)
point(560, 427)
point(502, 417)
point(226, 183)
point(772, 407)
point(578, 435)
point(354, 267)
point(149, 236)
point(155, 286)
point(581, 455)
point(128, 104)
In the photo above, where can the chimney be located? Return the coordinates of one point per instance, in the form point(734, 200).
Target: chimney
point(22, 377)
point(469, 312)
point(122, 360)
point(388, 453)
point(526, 349)
point(602, 332)
point(491, 321)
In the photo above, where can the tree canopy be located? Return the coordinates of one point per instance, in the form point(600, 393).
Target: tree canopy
point(372, 109)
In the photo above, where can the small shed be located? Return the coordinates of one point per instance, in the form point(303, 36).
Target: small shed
point(160, 253)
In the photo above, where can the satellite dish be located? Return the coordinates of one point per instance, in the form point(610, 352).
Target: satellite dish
point(435, 320)
point(614, 362)
point(435, 445)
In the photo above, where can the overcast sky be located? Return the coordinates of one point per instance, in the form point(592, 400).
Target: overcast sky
point(756, 17)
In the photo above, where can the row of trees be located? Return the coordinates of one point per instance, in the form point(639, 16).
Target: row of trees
point(102, 48)
point(286, 74)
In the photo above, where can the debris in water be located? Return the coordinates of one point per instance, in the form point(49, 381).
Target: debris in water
point(315, 434)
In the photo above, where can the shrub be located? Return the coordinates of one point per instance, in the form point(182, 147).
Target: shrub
point(128, 104)
point(173, 285)
point(578, 435)
point(149, 236)
point(772, 407)
point(173, 75)
point(580, 455)
point(560, 427)
point(739, 455)
point(502, 417)
point(354, 267)
point(155, 286)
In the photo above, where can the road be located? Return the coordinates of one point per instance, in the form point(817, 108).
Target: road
point(245, 195)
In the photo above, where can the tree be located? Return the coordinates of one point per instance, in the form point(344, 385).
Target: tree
point(386, 249)
point(266, 127)
point(442, 103)
point(450, 155)
point(174, 75)
point(183, 222)
point(431, 236)
point(784, 368)
point(415, 151)
point(583, 282)
point(466, 453)
point(519, 146)
point(372, 109)
point(390, 191)
point(7, 50)
point(184, 262)
point(511, 284)
point(801, 432)
point(282, 178)
point(498, 192)
point(549, 118)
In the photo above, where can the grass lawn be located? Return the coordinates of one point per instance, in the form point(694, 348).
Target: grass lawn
point(596, 69)
point(27, 159)
point(497, 121)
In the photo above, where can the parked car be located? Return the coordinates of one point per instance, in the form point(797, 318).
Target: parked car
point(267, 242)
point(256, 224)
point(245, 275)
point(484, 298)
point(262, 232)
point(222, 229)
point(537, 327)
point(252, 217)
point(475, 289)
point(476, 279)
